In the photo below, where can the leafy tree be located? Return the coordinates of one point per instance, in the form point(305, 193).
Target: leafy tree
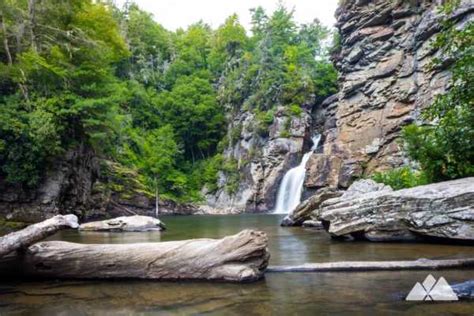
point(57, 77)
point(86, 73)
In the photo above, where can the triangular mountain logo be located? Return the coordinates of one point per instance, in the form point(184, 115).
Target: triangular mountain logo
point(432, 290)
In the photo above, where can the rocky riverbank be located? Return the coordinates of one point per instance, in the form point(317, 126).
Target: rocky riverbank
point(371, 211)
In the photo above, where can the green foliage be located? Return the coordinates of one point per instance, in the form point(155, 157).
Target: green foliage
point(263, 121)
point(286, 64)
point(57, 84)
point(235, 133)
point(230, 168)
point(285, 133)
point(400, 178)
point(295, 110)
point(154, 102)
point(444, 146)
point(207, 173)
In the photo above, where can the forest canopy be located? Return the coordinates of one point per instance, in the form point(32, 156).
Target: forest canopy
point(86, 73)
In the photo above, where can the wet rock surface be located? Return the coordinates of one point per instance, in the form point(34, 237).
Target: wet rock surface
point(440, 211)
point(305, 210)
point(465, 290)
point(261, 160)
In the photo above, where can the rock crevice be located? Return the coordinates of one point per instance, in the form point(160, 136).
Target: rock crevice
point(386, 79)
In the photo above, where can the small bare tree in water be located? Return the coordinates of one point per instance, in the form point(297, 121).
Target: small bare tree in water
point(157, 198)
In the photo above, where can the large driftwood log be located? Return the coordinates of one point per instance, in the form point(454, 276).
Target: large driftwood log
point(348, 266)
point(238, 258)
point(36, 232)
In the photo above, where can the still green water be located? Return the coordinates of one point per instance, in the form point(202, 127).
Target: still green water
point(278, 294)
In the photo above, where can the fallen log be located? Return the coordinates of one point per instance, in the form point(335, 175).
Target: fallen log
point(238, 258)
point(36, 232)
point(355, 266)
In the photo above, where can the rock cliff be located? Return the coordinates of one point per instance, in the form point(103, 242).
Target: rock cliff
point(262, 161)
point(82, 184)
point(386, 79)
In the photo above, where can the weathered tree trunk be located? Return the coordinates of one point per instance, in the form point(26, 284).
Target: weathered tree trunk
point(239, 258)
point(6, 46)
point(32, 23)
point(157, 200)
point(36, 232)
point(420, 264)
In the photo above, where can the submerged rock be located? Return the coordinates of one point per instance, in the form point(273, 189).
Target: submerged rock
point(304, 211)
point(312, 223)
point(135, 223)
point(464, 290)
point(437, 211)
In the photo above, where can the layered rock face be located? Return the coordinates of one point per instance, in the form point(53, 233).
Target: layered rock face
point(441, 210)
point(66, 188)
point(262, 162)
point(304, 211)
point(76, 184)
point(386, 80)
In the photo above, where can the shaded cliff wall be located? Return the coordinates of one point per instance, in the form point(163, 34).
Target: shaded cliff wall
point(83, 184)
point(386, 80)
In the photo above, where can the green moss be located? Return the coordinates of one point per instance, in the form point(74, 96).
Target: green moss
point(263, 121)
point(126, 182)
point(285, 133)
point(294, 110)
point(10, 226)
point(231, 170)
point(235, 133)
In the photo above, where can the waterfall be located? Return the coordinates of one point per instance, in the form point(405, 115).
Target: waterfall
point(291, 187)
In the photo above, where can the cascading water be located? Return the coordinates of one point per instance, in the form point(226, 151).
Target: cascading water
point(291, 187)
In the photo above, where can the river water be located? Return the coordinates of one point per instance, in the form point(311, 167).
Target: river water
point(278, 294)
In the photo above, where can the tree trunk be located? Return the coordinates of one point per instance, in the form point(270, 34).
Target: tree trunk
point(157, 200)
point(420, 264)
point(5, 41)
point(35, 232)
point(32, 22)
point(239, 258)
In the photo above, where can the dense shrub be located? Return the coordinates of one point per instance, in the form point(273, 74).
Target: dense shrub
point(400, 178)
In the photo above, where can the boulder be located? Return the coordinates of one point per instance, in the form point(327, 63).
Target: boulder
point(364, 186)
point(440, 211)
point(304, 211)
point(464, 290)
point(135, 223)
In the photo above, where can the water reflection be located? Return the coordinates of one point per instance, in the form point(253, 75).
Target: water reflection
point(278, 293)
point(287, 245)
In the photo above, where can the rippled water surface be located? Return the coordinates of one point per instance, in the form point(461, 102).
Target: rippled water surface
point(278, 293)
